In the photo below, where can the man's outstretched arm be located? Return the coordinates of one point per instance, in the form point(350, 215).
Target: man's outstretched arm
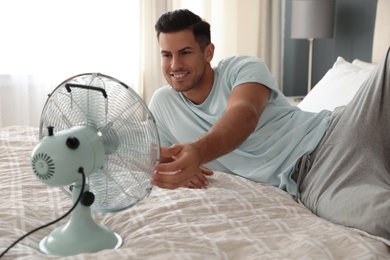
point(245, 105)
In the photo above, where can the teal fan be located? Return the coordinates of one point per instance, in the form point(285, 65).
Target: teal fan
point(95, 125)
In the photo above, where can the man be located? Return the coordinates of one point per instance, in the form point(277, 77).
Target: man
point(233, 118)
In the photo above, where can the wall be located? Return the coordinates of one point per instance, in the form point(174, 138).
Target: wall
point(353, 34)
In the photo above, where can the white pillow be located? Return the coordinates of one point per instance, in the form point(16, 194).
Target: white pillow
point(338, 86)
point(363, 64)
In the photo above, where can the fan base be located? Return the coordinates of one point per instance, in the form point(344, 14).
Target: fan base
point(80, 235)
point(51, 246)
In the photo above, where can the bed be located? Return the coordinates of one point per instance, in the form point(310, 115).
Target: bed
point(233, 218)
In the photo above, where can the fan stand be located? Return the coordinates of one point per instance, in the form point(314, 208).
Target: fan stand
point(80, 235)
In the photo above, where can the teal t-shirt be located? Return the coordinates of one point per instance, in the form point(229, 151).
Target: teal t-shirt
point(283, 134)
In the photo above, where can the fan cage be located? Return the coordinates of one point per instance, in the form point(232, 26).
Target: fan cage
point(126, 126)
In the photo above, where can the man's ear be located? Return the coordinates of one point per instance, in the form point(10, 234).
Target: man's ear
point(209, 52)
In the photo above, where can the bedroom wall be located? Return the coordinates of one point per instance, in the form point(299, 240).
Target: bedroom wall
point(353, 34)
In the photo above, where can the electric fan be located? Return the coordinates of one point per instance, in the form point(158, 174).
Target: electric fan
point(95, 133)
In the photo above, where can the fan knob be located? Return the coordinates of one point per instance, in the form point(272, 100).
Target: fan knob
point(72, 142)
point(87, 199)
point(50, 129)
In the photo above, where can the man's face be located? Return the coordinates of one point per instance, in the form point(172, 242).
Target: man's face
point(182, 61)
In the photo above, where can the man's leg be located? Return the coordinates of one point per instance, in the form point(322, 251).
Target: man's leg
point(349, 182)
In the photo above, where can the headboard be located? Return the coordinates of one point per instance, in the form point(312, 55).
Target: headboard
point(381, 40)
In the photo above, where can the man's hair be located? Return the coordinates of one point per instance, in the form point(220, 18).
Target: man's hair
point(184, 19)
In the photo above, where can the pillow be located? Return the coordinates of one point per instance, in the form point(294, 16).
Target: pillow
point(338, 86)
point(363, 64)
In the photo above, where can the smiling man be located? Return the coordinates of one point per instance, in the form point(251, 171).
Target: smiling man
point(223, 118)
point(233, 118)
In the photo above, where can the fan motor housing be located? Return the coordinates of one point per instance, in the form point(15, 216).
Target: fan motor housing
point(57, 158)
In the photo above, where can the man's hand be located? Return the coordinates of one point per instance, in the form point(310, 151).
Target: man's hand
point(199, 181)
point(180, 168)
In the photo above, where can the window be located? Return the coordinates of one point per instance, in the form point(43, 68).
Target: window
point(52, 40)
point(71, 36)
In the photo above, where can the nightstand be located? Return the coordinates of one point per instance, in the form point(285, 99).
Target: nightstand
point(295, 100)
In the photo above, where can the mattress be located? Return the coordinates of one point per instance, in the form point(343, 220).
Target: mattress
point(233, 218)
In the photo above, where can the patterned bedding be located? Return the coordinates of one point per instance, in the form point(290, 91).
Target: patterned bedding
point(233, 219)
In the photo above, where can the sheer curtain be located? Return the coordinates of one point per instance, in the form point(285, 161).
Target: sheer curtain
point(44, 42)
point(247, 27)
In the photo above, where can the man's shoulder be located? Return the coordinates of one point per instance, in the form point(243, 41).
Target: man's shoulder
point(163, 95)
point(165, 91)
point(238, 60)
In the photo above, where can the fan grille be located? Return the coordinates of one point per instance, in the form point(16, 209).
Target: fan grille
point(127, 129)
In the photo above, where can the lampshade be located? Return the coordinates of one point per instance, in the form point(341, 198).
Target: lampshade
point(312, 19)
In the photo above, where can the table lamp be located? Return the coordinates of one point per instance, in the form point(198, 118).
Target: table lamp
point(312, 19)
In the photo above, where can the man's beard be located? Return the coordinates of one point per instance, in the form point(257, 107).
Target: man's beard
point(194, 84)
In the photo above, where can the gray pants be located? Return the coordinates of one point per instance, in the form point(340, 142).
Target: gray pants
point(349, 179)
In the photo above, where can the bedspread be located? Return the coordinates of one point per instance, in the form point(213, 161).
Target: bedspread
point(233, 218)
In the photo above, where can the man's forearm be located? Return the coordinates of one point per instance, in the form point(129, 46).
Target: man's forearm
point(245, 105)
point(227, 134)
